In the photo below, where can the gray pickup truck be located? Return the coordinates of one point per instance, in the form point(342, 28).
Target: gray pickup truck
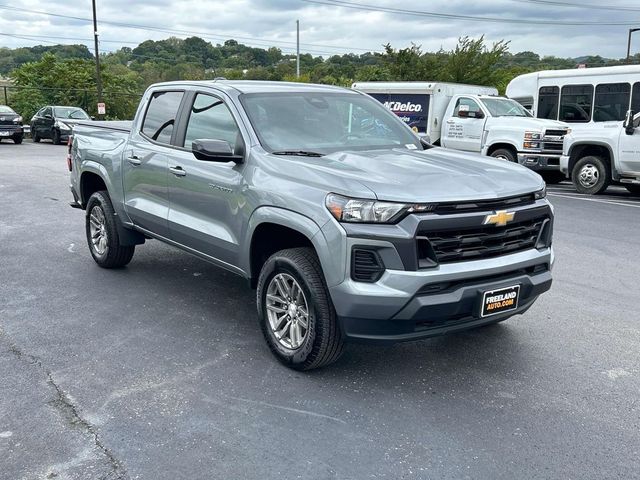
point(349, 227)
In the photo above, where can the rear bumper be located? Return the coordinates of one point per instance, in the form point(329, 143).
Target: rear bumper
point(540, 161)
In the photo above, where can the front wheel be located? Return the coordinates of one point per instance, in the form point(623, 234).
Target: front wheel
point(296, 315)
point(17, 139)
point(635, 189)
point(34, 135)
point(102, 233)
point(504, 154)
point(56, 136)
point(591, 175)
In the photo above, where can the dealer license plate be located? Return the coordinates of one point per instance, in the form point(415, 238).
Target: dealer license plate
point(4, 134)
point(500, 300)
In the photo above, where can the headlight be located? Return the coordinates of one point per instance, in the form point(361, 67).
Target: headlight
point(532, 135)
point(355, 210)
point(540, 194)
point(17, 120)
point(62, 125)
point(532, 145)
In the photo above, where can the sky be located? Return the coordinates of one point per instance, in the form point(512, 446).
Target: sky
point(329, 28)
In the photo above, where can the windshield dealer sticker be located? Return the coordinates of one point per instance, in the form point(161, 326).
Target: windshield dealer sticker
point(411, 146)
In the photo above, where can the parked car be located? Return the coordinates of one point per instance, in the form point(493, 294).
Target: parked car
point(10, 124)
point(475, 119)
point(349, 226)
point(55, 123)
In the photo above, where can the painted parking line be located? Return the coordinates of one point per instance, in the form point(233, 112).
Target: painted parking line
point(594, 200)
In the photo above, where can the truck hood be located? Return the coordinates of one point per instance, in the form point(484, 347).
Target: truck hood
point(435, 175)
point(527, 123)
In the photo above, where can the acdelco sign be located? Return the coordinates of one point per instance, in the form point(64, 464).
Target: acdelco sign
point(396, 107)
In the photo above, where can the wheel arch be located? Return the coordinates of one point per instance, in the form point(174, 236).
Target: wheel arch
point(591, 148)
point(503, 145)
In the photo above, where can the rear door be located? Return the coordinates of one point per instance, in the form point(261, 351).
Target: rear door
point(206, 204)
point(463, 130)
point(146, 162)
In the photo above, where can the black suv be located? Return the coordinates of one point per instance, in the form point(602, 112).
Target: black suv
point(55, 122)
point(10, 124)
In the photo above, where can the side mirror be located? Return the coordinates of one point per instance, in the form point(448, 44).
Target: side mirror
point(629, 129)
point(425, 141)
point(478, 114)
point(214, 151)
point(92, 117)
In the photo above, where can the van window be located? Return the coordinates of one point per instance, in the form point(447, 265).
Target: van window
point(211, 119)
point(635, 98)
point(161, 116)
point(548, 98)
point(575, 103)
point(612, 102)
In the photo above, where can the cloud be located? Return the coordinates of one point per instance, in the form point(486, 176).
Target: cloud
point(329, 29)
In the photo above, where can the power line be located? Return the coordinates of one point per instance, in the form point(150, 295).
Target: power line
point(580, 5)
point(451, 16)
point(255, 40)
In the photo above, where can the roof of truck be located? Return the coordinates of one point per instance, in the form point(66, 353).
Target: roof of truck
point(259, 86)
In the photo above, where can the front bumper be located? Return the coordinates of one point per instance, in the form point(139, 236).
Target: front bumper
point(564, 165)
point(8, 131)
point(540, 161)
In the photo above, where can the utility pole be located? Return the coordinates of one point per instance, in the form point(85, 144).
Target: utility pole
point(631, 30)
point(95, 39)
point(297, 48)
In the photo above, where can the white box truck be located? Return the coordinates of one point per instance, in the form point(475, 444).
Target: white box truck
point(601, 105)
point(475, 119)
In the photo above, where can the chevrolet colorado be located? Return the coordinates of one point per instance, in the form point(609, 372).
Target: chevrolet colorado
point(348, 226)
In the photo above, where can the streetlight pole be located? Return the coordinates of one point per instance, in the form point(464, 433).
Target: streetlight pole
point(95, 39)
point(631, 30)
point(297, 48)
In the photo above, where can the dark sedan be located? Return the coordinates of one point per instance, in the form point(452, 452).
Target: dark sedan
point(55, 122)
point(10, 124)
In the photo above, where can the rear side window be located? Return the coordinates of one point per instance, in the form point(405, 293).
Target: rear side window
point(211, 119)
point(548, 99)
point(575, 103)
point(160, 118)
point(635, 98)
point(611, 102)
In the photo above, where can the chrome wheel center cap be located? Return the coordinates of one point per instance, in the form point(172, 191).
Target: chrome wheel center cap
point(292, 310)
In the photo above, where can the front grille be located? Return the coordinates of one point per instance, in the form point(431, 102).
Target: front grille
point(555, 133)
point(366, 265)
point(484, 205)
point(553, 139)
point(552, 146)
point(476, 243)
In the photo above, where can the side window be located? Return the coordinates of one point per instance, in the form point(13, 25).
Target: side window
point(611, 102)
point(161, 116)
point(47, 111)
point(211, 119)
point(635, 98)
point(575, 103)
point(466, 105)
point(548, 99)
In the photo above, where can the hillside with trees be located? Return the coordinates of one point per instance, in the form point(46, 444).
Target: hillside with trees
point(66, 73)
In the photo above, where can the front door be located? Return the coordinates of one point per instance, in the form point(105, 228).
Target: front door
point(463, 131)
point(206, 207)
point(146, 163)
point(629, 150)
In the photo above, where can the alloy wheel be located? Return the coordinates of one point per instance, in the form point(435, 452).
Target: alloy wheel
point(98, 230)
point(287, 311)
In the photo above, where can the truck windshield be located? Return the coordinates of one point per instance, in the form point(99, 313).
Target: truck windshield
point(324, 122)
point(70, 112)
point(504, 107)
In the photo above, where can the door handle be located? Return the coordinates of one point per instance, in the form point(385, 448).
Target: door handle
point(134, 160)
point(177, 171)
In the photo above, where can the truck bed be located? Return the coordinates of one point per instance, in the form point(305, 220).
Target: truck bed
point(119, 125)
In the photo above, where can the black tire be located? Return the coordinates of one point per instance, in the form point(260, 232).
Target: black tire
point(34, 135)
point(323, 342)
point(17, 140)
point(115, 255)
point(505, 154)
point(591, 175)
point(55, 136)
point(553, 177)
point(635, 189)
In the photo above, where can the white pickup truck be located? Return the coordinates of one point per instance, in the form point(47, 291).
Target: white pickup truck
point(475, 119)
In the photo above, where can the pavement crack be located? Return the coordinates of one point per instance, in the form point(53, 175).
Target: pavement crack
point(69, 410)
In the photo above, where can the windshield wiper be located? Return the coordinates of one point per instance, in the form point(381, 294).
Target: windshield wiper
point(300, 153)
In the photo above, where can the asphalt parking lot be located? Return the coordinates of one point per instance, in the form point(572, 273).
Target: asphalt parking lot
point(159, 370)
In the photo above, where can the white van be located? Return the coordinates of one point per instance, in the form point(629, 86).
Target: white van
point(595, 102)
point(475, 119)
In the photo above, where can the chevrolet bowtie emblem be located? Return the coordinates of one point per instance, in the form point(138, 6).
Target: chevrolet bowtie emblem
point(499, 219)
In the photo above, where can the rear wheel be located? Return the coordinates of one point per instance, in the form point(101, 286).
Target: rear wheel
point(635, 189)
point(34, 135)
point(553, 177)
point(504, 154)
point(591, 175)
point(296, 315)
point(102, 233)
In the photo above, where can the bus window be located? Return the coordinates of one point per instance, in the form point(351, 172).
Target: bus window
point(575, 103)
point(612, 102)
point(635, 98)
point(548, 102)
